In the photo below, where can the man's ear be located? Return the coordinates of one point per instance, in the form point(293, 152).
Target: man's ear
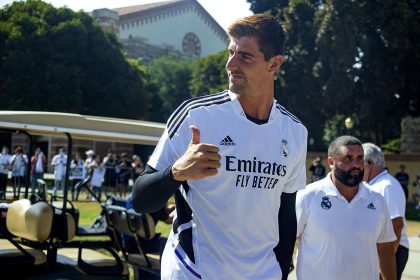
point(330, 161)
point(276, 62)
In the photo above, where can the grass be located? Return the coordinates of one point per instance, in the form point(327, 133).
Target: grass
point(90, 210)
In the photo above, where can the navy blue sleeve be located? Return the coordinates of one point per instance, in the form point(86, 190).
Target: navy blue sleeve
point(287, 232)
point(152, 189)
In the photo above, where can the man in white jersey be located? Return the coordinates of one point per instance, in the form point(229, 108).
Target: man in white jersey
point(344, 228)
point(234, 162)
point(382, 182)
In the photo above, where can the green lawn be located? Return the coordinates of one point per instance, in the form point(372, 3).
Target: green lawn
point(90, 210)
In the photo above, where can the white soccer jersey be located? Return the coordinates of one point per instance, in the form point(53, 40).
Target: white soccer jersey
point(227, 225)
point(391, 190)
point(337, 238)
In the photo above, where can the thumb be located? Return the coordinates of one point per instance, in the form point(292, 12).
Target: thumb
point(195, 138)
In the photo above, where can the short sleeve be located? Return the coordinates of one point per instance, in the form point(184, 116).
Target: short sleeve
point(395, 200)
point(297, 179)
point(387, 231)
point(172, 144)
point(301, 211)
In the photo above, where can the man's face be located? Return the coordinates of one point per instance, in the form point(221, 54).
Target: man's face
point(348, 166)
point(246, 68)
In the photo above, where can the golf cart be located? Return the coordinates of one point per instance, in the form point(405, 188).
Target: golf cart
point(36, 232)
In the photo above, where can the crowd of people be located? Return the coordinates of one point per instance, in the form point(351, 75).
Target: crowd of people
point(108, 174)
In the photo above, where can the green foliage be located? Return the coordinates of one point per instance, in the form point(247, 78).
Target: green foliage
point(169, 77)
point(356, 58)
point(334, 127)
point(209, 74)
point(59, 60)
point(393, 146)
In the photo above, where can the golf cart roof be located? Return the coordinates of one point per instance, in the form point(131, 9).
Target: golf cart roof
point(83, 126)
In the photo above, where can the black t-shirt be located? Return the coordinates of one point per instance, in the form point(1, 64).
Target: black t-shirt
point(403, 178)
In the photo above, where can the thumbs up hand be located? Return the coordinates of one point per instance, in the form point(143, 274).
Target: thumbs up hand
point(200, 160)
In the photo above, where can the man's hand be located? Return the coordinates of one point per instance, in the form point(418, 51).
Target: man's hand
point(199, 160)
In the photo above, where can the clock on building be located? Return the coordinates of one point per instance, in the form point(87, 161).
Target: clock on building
point(191, 44)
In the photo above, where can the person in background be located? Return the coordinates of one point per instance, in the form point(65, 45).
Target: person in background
point(19, 162)
point(76, 174)
point(343, 226)
point(59, 162)
point(416, 194)
point(110, 180)
point(5, 165)
point(38, 163)
point(124, 176)
point(404, 179)
point(88, 168)
point(229, 155)
point(138, 166)
point(384, 183)
point(98, 174)
point(317, 170)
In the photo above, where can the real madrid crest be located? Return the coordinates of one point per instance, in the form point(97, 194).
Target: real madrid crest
point(326, 203)
point(284, 148)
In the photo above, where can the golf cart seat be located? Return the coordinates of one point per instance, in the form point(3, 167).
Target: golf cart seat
point(32, 223)
point(137, 226)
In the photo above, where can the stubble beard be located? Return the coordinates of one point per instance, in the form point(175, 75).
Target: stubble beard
point(241, 89)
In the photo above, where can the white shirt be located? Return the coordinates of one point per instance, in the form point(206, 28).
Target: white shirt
point(338, 238)
point(76, 168)
point(19, 164)
point(392, 191)
point(5, 161)
point(98, 176)
point(59, 162)
point(234, 219)
point(39, 164)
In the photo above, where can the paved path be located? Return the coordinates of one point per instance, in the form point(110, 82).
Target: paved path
point(412, 269)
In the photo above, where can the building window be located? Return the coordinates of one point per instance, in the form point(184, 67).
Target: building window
point(191, 44)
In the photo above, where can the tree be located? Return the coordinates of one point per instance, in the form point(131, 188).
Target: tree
point(209, 74)
point(351, 58)
point(59, 60)
point(169, 77)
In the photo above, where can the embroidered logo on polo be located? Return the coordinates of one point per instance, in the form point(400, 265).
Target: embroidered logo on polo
point(227, 141)
point(326, 203)
point(371, 206)
point(284, 148)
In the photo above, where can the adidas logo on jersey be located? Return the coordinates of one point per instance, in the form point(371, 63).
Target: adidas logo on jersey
point(227, 141)
point(371, 206)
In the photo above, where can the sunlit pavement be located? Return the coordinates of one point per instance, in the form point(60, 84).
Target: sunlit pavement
point(412, 270)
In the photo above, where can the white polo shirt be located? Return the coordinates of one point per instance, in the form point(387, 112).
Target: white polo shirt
point(392, 191)
point(234, 215)
point(338, 238)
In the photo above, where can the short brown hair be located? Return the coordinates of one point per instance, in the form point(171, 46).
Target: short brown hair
point(263, 27)
point(346, 140)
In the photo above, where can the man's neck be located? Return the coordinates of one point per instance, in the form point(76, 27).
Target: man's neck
point(258, 107)
point(375, 172)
